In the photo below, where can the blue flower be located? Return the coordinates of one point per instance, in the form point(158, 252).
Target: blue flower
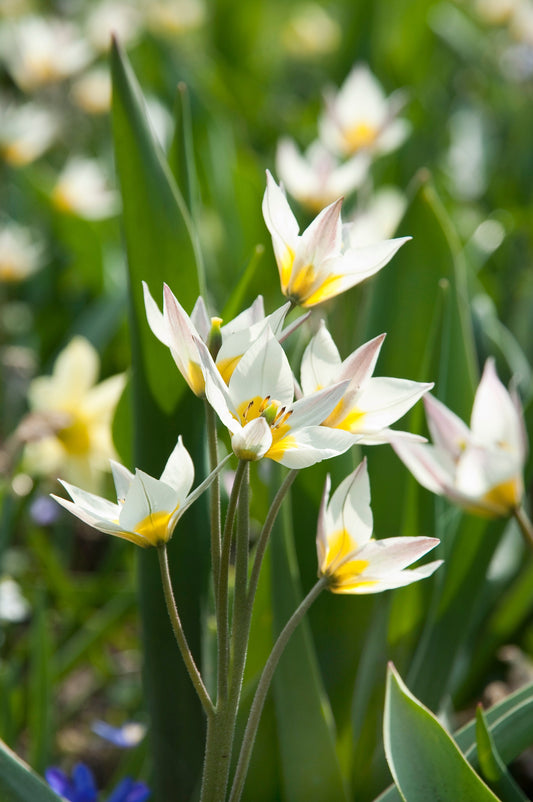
point(82, 787)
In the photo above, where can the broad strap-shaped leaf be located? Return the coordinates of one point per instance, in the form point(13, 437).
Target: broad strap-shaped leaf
point(424, 760)
point(511, 728)
point(159, 249)
point(492, 767)
point(18, 783)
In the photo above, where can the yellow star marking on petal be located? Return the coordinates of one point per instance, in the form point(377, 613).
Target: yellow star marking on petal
point(196, 378)
point(227, 366)
point(327, 289)
point(338, 566)
point(348, 421)
point(285, 268)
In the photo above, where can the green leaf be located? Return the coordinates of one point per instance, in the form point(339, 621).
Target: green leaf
point(511, 728)
point(492, 767)
point(159, 247)
point(18, 783)
point(310, 766)
point(40, 686)
point(424, 760)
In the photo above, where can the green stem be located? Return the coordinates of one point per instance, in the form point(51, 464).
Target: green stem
point(188, 659)
point(265, 533)
point(263, 686)
point(214, 500)
point(222, 599)
point(526, 527)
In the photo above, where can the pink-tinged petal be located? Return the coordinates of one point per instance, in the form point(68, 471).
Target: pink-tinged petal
point(494, 420)
point(200, 319)
point(391, 581)
point(320, 362)
point(179, 471)
point(182, 334)
point(305, 447)
point(384, 400)
point(448, 431)
point(263, 371)
point(359, 263)
point(315, 408)
point(393, 554)
point(359, 366)
point(322, 239)
point(252, 441)
point(389, 436)
point(155, 317)
point(430, 466)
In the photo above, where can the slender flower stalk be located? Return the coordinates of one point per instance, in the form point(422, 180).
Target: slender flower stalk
point(214, 497)
point(177, 628)
point(264, 684)
point(525, 524)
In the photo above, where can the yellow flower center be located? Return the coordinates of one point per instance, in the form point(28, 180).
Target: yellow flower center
point(360, 136)
point(277, 418)
point(75, 437)
point(338, 566)
point(155, 527)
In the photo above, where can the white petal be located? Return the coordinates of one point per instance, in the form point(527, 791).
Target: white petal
point(322, 239)
point(200, 319)
point(313, 444)
point(430, 466)
point(322, 528)
point(494, 417)
point(94, 505)
point(349, 507)
point(448, 431)
point(253, 440)
point(385, 400)
point(393, 580)
point(359, 366)
point(315, 408)
point(216, 390)
point(179, 471)
point(278, 216)
point(394, 554)
point(155, 317)
point(320, 362)
point(102, 524)
point(122, 478)
point(263, 371)
point(146, 496)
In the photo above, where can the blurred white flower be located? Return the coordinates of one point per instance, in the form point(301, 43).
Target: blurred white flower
point(359, 116)
point(113, 18)
point(70, 422)
point(352, 560)
point(82, 189)
point(39, 51)
point(13, 606)
point(379, 218)
point(496, 12)
point(174, 17)
point(21, 252)
point(479, 468)
point(521, 22)
point(316, 178)
point(26, 131)
point(91, 92)
point(311, 31)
